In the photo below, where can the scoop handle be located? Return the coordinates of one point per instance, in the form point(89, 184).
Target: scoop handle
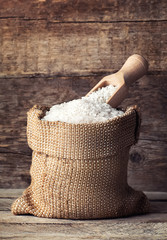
point(134, 68)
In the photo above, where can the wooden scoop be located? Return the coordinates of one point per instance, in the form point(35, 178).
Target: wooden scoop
point(134, 68)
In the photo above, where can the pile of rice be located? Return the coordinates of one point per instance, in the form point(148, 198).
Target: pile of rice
point(90, 109)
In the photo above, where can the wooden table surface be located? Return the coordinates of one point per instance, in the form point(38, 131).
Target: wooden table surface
point(149, 226)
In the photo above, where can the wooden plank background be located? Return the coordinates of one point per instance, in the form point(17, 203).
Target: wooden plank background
point(55, 51)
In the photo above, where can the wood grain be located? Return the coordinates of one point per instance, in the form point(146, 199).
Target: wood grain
point(84, 11)
point(147, 166)
point(15, 170)
point(151, 226)
point(156, 196)
point(30, 47)
point(85, 231)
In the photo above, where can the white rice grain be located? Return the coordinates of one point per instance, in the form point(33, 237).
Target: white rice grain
point(89, 109)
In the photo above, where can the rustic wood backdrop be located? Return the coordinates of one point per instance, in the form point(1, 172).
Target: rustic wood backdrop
point(56, 50)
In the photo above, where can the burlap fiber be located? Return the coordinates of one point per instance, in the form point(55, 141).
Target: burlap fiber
point(79, 171)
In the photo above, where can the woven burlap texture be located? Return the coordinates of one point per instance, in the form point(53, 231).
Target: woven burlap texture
point(79, 171)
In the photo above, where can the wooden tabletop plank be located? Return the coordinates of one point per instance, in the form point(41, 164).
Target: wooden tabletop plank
point(150, 226)
point(64, 232)
point(157, 196)
point(8, 217)
point(53, 236)
point(9, 193)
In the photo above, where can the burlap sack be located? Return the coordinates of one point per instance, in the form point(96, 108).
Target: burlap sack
point(79, 171)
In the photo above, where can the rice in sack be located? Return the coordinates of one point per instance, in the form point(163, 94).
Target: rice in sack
point(79, 170)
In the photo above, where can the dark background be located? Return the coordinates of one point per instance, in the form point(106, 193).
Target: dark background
point(57, 50)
